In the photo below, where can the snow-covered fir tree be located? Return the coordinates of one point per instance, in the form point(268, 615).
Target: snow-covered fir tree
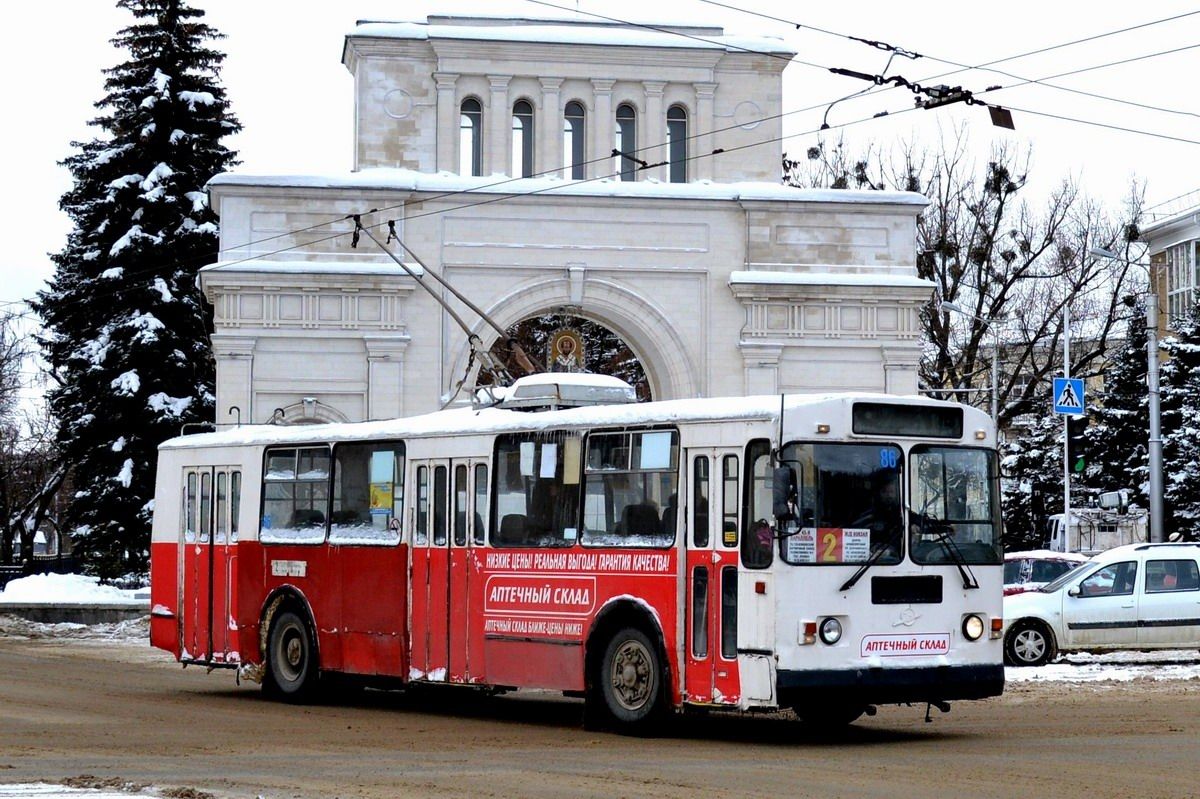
point(1180, 405)
point(125, 331)
point(1118, 440)
point(1031, 464)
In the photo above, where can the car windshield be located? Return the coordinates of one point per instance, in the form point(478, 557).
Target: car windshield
point(1064, 578)
point(955, 505)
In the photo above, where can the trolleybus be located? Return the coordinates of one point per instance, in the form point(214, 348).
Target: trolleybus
point(821, 553)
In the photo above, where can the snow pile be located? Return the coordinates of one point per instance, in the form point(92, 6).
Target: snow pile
point(130, 631)
point(1120, 667)
point(74, 588)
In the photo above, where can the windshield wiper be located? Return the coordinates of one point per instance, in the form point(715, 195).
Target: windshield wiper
point(871, 561)
point(951, 546)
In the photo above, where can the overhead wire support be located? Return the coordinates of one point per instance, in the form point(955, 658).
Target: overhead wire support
point(935, 96)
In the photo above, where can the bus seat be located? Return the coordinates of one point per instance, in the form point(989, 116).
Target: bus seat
point(306, 517)
point(512, 529)
point(641, 520)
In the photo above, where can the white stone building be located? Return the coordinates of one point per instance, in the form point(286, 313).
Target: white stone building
point(1172, 238)
point(721, 281)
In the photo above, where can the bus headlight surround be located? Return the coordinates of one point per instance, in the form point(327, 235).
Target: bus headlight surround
point(973, 627)
point(831, 631)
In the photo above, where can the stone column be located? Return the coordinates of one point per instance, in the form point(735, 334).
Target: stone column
point(761, 363)
point(602, 130)
point(385, 376)
point(900, 368)
point(499, 127)
point(447, 121)
point(548, 158)
point(234, 357)
point(705, 141)
point(654, 130)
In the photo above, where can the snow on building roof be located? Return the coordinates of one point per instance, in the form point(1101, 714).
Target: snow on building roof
point(564, 31)
point(445, 182)
point(257, 265)
point(827, 279)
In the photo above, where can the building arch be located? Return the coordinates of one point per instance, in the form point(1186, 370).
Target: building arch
point(670, 369)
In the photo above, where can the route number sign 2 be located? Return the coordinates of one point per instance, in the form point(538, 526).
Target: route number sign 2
point(830, 545)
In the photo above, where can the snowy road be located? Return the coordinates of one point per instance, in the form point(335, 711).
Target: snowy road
point(94, 701)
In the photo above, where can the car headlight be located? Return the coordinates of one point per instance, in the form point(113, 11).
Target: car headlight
point(972, 627)
point(831, 631)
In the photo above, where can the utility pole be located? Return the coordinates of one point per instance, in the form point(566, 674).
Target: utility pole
point(1157, 533)
point(1156, 470)
point(1066, 435)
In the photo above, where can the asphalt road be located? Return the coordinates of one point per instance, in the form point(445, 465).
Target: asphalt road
point(122, 713)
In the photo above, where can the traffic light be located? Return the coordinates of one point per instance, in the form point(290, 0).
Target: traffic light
point(1076, 430)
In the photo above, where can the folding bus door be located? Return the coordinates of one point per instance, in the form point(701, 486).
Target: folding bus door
point(430, 597)
point(211, 500)
point(467, 531)
point(710, 654)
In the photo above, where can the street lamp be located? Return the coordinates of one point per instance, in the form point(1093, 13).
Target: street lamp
point(949, 306)
point(1156, 467)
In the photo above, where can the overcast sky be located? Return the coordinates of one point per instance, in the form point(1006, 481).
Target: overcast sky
point(293, 96)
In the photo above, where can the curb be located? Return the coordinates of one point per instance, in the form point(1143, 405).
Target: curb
point(76, 612)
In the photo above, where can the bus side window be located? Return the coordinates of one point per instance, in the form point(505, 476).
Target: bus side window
point(440, 476)
point(729, 509)
point(235, 503)
point(421, 533)
point(758, 541)
point(189, 509)
point(481, 502)
point(700, 503)
point(537, 490)
point(460, 505)
point(222, 514)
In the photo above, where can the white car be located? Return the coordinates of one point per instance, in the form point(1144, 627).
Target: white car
point(1140, 596)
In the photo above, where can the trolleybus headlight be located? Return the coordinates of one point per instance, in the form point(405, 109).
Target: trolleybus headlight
point(972, 627)
point(831, 631)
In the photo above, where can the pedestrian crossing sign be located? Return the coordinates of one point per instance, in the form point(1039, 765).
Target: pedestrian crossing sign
point(1068, 395)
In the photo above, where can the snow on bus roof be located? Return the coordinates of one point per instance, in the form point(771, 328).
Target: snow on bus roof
point(469, 421)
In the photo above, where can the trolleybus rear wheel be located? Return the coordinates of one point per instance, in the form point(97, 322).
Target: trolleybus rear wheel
point(631, 683)
point(291, 658)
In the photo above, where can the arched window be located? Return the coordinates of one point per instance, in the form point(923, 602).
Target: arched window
point(626, 141)
point(522, 139)
point(677, 143)
point(470, 138)
point(573, 143)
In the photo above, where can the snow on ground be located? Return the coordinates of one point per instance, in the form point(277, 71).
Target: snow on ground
point(132, 631)
point(1081, 667)
point(77, 588)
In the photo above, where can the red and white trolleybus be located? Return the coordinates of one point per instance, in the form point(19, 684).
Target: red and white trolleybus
point(821, 553)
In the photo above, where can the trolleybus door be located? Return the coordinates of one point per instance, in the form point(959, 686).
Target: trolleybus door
point(467, 531)
point(710, 657)
point(211, 502)
point(430, 571)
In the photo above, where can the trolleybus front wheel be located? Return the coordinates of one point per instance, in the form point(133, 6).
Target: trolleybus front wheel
point(630, 680)
point(291, 659)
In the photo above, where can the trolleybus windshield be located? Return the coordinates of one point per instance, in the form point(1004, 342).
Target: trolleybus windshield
point(955, 506)
point(848, 504)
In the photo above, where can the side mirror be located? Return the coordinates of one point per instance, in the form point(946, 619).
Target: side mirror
point(1073, 591)
point(783, 492)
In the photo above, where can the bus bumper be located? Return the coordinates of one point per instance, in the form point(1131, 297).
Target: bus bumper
point(883, 686)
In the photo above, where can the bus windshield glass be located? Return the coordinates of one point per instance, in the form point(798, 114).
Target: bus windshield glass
point(847, 504)
point(955, 506)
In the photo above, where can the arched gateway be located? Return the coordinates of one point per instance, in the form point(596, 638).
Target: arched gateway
point(721, 281)
point(670, 372)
